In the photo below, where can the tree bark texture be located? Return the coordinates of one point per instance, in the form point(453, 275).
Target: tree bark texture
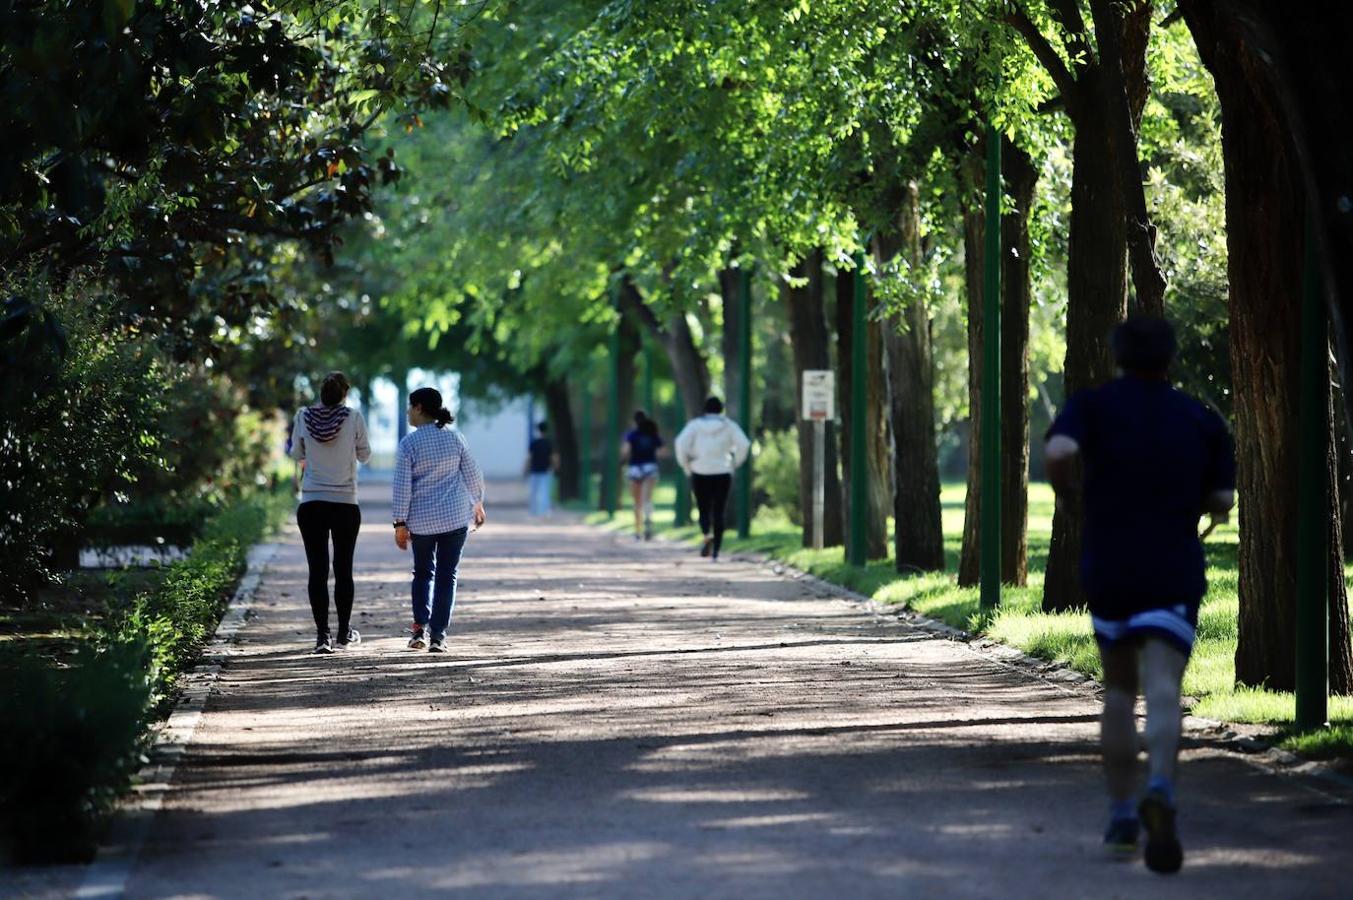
point(810, 341)
point(918, 534)
point(1265, 216)
point(689, 369)
point(1020, 178)
point(729, 343)
point(876, 451)
point(1096, 302)
point(565, 435)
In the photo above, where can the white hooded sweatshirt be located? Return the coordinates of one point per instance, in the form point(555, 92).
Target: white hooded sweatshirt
point(711, 445)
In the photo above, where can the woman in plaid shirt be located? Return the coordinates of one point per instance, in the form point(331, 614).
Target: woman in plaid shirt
point(438, 492)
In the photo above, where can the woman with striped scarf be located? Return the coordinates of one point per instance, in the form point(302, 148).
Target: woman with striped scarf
point(331, 439)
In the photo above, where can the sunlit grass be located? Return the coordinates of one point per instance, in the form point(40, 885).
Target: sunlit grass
point(1020, 622)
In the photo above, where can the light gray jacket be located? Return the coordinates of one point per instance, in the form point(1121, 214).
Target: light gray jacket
point(331, 466)
point(711, 445)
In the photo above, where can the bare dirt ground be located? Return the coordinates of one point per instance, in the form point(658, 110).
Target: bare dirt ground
point(622, 720)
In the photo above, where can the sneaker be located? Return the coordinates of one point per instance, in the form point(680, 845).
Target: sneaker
point(419, 640)
point(707, 547)
point(323, 644)
point(638, 537)
point(648, 531)
point(438, 644)
point(1163, 851)
point(352, 637)
point(1121, 838)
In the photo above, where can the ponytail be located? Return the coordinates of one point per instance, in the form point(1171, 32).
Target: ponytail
point(429, 400)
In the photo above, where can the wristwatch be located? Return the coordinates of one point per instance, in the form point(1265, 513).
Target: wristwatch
point(399, 525)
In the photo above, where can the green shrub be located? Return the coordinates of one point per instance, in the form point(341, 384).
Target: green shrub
point(72, 739)
point(777, 472)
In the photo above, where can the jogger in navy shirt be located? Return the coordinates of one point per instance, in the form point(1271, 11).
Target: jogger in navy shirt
point(1154, 462)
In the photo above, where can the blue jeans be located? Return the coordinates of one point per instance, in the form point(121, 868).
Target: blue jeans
point(435, 558)
point(540, 484)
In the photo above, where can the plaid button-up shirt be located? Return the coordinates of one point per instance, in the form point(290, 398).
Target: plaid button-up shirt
point(437, 481)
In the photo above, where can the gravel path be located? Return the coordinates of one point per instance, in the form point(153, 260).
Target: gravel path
point(621, 720)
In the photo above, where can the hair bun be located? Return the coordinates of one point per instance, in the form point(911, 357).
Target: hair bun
point(444, 417)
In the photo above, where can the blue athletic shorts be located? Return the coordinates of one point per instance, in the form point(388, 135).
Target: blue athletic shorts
point(1175, 624)
point(643, 471)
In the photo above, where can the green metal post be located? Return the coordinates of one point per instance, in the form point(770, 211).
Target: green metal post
point(681, 511)
point(585, 443)
point(1312, 650)
point(857, 546)
point(744, 486)
point(610, 480)
point(990, 561)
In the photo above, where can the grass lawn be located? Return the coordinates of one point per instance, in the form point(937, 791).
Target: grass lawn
point(1064, 638)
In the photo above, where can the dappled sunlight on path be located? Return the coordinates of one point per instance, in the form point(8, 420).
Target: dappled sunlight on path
point(629, 720)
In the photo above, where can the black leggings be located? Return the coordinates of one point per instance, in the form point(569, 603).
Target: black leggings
point(711, 497)
point(318, 519)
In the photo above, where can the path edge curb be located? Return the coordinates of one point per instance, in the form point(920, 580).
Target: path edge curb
point(106, 875)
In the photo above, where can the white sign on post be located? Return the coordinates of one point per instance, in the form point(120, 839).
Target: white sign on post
point(819, 395)
point(819, 407)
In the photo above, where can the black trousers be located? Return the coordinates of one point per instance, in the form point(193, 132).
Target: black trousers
point(711, 499)
point(320, 521)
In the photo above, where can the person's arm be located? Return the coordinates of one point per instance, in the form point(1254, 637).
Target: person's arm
point(1062, 447)
point(1220, 496)
point(474, 479)
point(363, 441)
point(297, 449)
point(624, 453)
point(682, 446)
point(741, 446)
point(402, 494)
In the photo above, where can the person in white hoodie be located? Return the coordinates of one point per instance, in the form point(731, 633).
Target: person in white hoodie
point(330, 438)
point(709, 449)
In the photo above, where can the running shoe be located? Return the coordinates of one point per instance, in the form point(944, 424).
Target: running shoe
point(419, 640)
point(1163, 851)
point(438, 644)
point(648, 531)
point(323, 644)
point(707, 547)
point(352, 638)
point(1121, 838)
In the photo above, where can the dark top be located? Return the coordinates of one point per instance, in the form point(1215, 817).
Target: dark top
point(643, 447)
point(541, 450)
point(1151, 456)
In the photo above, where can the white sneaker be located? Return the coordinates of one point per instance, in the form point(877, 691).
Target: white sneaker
point(351, 639)
point(419, 640)
point(438, 645)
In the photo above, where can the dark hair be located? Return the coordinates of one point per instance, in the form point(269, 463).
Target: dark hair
point(714, 405)
point(429, 400)
point(334, 389)
point(644, 424)
point(543, 427)
point(1144, 345)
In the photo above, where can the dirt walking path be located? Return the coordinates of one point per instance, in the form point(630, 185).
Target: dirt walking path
point(621, 720)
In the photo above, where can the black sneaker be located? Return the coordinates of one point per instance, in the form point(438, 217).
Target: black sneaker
point(1121, 838)
point(353, 636)
point(419, 640)
point(1163, 851)
point(648, 530)
point(323, 644)
point(438, 644)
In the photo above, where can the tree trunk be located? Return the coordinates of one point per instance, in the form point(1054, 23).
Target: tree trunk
point(401, 379)
point(811, 343)
point(689, 369)
point(729, 343)
point(628, 373)
point(1020, 178)
point(918, 536)
point(1265, 218)
point(565, 436)
point(876, 453)
point(1096, 302)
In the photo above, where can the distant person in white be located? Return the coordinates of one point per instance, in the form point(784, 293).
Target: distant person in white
point(709, 449)
point(330, 439)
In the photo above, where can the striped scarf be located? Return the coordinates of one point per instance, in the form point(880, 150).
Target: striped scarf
point(323, 422)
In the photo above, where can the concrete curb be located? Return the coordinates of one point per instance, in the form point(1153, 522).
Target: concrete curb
point(107, 875)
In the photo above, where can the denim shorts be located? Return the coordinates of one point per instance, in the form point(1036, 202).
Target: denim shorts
point(643, 471)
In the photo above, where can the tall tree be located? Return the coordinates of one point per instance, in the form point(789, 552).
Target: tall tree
point(1020, 177)
point(804, 299)
point(878, 493)
point(1266, 216)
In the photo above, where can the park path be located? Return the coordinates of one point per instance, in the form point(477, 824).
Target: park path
point(621, 720)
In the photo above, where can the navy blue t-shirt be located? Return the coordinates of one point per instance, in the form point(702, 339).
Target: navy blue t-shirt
point(643, 447)
point(541, 449)
point(1151, 455)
